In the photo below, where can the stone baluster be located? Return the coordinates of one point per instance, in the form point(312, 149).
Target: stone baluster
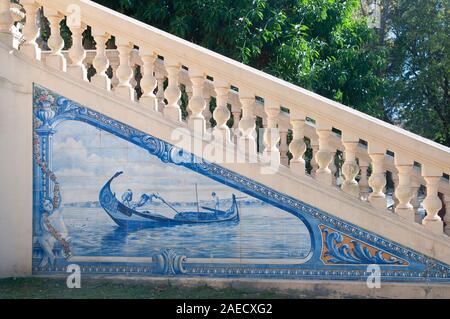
point(114, 79)
point(55, 58)
point(447, 214)
point(284, 159)
point(136, 81)
point(236, 112)
point(333, 168)
point(31, 31)
point(196, 120)
point(207, 112)
point(88, 61)
point(172, 93)
point(323, 156)
point(17, 28)
point(101, 61)
point(6, 23)
point(315, 148)
point(189, 93)
point(415, 187)
point(432, 202)
point(160, 78)
point(350, 168)
point(148, 81)
point(133, 80)
point(88, 65)
point(271, 132)
point(221, 113)
point(124, 71)
point(261, 130)
point(247, 126)
point(364, 180)
point(395, 180)
point(404, 165)
point(377, 179)
point(297, 147)
point(264, 121)
point(77, 54)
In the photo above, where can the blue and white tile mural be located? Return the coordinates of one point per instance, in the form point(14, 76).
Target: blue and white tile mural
point(119, 200)
point(115, 200)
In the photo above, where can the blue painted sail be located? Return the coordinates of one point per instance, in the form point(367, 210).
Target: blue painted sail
point(128, 217)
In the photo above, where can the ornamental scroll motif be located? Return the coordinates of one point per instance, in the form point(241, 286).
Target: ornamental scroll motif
point(343, 249)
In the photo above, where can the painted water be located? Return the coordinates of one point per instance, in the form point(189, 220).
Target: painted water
point(261, 233)
point(85, 157)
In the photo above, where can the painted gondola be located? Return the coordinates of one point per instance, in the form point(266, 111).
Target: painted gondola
point(127, 217)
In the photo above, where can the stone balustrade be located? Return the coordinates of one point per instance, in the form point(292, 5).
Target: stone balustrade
point(369, 146)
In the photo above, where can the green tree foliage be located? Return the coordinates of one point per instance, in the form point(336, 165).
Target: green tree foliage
point(419, 66)
point(317, 44)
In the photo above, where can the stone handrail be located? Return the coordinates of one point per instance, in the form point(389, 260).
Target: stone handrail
point(283, 120)
point(283, 106)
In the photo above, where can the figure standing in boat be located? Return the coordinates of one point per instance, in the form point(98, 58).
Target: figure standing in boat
point(216, 200)
point(155, 211)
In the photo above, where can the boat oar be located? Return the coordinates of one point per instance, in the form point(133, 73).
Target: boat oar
point(162, 199)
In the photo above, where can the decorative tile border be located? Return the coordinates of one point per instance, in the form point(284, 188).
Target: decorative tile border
point(397, 262)
point(339, 249)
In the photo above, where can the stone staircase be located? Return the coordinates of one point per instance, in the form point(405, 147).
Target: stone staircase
point(341, 190)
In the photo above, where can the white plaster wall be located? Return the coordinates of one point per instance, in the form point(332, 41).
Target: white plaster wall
point(15, 172)
point(18, 73)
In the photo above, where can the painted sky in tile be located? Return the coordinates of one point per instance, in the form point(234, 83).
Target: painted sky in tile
point(85, 157)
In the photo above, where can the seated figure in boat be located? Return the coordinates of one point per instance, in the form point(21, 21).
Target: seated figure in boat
point(144, 200)
point(125, 216)
point(127, 197)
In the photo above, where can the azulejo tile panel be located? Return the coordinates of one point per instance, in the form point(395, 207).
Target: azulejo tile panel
point(343, 249)
point(115, 200)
